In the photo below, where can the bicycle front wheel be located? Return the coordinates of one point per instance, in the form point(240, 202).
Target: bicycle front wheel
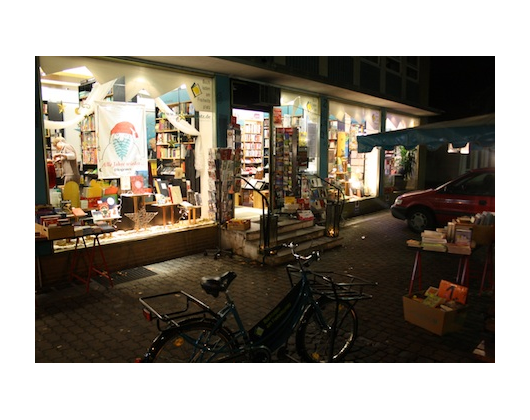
point(194, 342)
point(326, 343)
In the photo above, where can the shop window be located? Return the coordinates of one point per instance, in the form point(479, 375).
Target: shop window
point(355, 173)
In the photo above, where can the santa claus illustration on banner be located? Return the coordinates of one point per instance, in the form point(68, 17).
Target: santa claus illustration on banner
point(122, 155)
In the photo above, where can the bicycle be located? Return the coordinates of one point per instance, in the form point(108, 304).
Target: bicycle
point(319, 310)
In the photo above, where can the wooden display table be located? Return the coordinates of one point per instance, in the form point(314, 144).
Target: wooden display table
point(165, 207)
point(192, 212)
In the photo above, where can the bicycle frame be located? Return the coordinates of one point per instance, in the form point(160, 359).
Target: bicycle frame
point(269, 334)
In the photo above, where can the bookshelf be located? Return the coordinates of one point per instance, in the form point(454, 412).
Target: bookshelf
point(266, 147)
point(87, 126)
point(251, 147)
point(171, 144)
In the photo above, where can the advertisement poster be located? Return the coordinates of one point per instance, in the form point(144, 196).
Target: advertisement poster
point(122, 146)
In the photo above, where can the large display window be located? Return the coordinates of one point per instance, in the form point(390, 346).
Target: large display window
point(301, 112)
point(356, 173)
point(400, 164)
point(131, 131)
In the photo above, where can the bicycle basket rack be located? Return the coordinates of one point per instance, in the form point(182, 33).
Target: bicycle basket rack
point(336, 286)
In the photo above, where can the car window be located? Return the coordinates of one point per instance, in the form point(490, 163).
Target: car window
point(480, 184)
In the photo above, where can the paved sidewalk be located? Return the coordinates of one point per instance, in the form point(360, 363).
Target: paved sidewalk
point(107, 325)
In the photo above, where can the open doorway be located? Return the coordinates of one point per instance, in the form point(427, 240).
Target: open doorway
point(253, 198)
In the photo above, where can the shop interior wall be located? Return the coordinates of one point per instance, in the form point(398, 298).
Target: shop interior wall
point(70, 100)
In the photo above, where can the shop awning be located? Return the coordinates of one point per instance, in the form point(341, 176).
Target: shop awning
point(478, 131)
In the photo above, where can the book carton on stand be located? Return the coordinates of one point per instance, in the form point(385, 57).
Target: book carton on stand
point(438, 310)
point(53, 232)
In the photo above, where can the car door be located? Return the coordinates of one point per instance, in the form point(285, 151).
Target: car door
point(467, 195)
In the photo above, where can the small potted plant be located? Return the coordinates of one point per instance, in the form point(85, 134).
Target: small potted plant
point(407, 160)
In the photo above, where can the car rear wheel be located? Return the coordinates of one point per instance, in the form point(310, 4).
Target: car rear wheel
point(419, 219)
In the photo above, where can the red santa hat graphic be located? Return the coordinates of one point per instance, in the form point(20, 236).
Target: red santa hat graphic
point(124, 127)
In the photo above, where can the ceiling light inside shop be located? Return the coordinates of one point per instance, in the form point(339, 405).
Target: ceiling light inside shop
point(68, 77)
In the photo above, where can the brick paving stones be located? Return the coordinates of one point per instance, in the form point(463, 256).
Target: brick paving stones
point(107, 326)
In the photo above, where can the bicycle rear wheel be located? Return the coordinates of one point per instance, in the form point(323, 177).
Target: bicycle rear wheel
point(194, 342)
point(315, 343)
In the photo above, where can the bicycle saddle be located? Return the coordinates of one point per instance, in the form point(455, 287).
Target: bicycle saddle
point(214, 285)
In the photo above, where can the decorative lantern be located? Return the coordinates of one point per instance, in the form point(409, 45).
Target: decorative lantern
point(333, 215)
point(268, 232)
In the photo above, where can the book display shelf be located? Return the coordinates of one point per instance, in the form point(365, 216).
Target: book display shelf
point(285, 177)
point(87, 126)
point(172, 145)
point(222, 186)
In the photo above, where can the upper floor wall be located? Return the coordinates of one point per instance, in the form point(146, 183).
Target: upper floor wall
point(400, 79)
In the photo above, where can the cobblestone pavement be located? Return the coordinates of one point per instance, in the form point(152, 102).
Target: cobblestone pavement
point(107, 325)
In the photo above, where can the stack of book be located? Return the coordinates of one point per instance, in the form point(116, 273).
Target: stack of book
point(434, 241)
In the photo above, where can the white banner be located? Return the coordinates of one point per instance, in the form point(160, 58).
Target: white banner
point(121, 139)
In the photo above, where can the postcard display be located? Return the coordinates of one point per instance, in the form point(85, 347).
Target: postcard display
point(223, 165)
point(286, 164)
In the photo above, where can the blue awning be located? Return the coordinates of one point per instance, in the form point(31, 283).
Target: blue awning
point(478, 131)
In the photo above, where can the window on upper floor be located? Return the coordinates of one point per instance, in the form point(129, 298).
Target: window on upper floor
point(393, 64)
point(372, 60)
point(412, 69)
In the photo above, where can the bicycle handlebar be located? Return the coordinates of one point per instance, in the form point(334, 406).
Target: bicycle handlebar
point(302, 260)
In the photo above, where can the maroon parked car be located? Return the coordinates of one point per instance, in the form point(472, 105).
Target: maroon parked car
point(469, 194)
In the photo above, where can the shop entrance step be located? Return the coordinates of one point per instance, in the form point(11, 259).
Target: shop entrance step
point(306, 234)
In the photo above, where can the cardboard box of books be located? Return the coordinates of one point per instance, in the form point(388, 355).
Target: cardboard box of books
point(439, 310)
point(480, 234)
point(55, 232)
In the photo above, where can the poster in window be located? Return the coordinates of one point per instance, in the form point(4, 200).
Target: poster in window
point(121, 139)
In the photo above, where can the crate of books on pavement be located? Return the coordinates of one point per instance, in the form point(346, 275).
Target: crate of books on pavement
point(440, 310)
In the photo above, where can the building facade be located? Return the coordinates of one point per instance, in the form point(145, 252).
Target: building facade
point(298, 121)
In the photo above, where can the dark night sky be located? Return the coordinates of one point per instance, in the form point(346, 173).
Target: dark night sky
point(462, 86)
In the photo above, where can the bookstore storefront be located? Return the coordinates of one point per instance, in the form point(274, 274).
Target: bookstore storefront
point(153, 131)
point(375, 174)
point(177, 125)
point(135, 174)
point(285, 151)
point(133, 130)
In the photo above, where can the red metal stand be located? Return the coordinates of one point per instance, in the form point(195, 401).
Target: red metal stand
point(462, 275)
point(488, 267)
point(92, 268)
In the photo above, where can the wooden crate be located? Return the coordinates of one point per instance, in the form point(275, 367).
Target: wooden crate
point(238, 224)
